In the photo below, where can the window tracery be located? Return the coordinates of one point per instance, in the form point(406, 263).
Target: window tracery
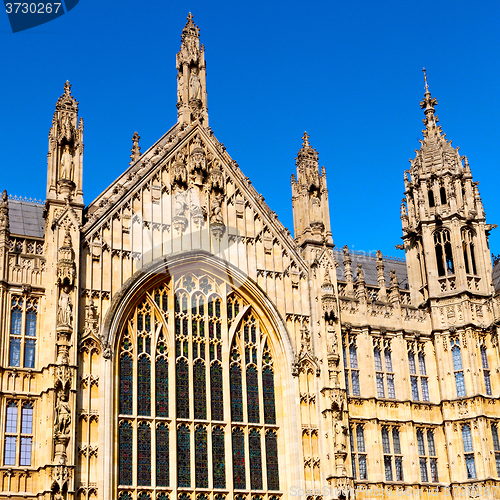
point(206, 373)
point(22, 343)
point(444, 254)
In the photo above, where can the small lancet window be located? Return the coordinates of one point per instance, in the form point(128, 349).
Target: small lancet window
point(444, 254)
point(468, 250)
point(442, 195)
point(431, 198)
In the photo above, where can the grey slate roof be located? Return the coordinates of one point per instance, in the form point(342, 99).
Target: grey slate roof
point(495, 275)
point(26, 218)
point(369, 264)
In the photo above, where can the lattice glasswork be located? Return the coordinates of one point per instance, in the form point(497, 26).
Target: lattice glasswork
point(238, 441)
point(183, 457)
point(268, 390)
point(143, 454)
point(144, 386)
point(272, 461)
point(252, 395)
point(200, 390)
point(182, 391)
point(218, 458)
point(126, 496)
point(255, 460)
point(216, 391)
point(236, 393)
point(201, 457)
point(161, 387)
point(144, 496)
point(162, 455)
point(126, 388)
point(125, 454)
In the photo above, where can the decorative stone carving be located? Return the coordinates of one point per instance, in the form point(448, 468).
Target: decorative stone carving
point(136, 149)
point(63, 416)
point(216, 219)
point(66, 270)
point(4, 211)
point(65, 307)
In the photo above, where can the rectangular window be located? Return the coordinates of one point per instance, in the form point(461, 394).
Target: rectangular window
point(417, 372)
point(18, 429)
point(494, 436)
point(414, 388)
point(423, 470)
point(388, 468)
point(399, 469)
point(468, 451)
point(486, 370)
point(497, 462)
point(470, 465)
point(458, 367)
point(425, 454)
point(22, 342)
point(351, 369)
point(393, 456)
point(358, 451)
point(384, 373)
point(434, 470)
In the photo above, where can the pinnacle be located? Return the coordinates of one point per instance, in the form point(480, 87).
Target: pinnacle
point(305, 140)
point(67, 87)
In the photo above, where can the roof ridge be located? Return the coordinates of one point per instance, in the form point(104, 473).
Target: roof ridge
point(25, 199)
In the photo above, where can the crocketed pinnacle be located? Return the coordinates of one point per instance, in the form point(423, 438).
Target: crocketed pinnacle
point(67, 101)
point(190, 29)
point(307, 155)
point(427, 105)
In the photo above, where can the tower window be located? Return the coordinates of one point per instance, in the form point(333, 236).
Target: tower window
point(427, 458)
point(384, 373)
point(444, 254)
point(18, 433)
point(468, 452)
point(496, 446)
point(430, 194)
point(418, 374)
point(468, 250)
point(486, 370)
point(442, 195)
point(392, 456)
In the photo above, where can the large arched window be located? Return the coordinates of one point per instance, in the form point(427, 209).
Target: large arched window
point(196, 396)
point(444, 255)
point(468, 249)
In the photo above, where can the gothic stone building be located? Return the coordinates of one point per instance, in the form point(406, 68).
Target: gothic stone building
point(172, 340)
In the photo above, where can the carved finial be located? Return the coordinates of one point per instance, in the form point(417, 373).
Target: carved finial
point(425, 79)
point(428, 106)
point(305, 140)
point(136, 149)
point(67, 88)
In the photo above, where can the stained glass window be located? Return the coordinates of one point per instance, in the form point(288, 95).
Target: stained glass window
point(268, 390)
point(218, 458)
point(183, 457)
point(272, 461)
point(252, 395)
point(255, 460)
point(216, 391)
point(162, 455)
point(200, 390)
point(161, 387)
point(201, 457)
point(182, 391)
point(143, 454)
point(236, 394)
point(238, 459)
point(126, 389)
point(144, 386)
point(125, 454)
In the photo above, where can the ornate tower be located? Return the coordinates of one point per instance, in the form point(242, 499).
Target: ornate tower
point(65, 156)
point(191, 77)
point(311, 213)
point(444, 228)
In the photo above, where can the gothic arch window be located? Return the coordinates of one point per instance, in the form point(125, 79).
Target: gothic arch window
point(181, 356)
point(468, 250)
point(430, 194)
point(22, 342)
point(444, 254)
point(442, 195)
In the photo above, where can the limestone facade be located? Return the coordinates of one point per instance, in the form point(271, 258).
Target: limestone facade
point(172, 340)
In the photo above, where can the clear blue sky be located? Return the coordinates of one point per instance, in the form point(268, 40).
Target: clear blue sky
point(350, 73)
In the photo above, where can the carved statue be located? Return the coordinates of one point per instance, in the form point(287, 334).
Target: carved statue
point(194, 85)
point(180, 204)
point(180, 85)
point(65, 307)
point(394, 278)
point(340, 436)
point(316, 208)
point(216, 209)
point(66, 164)
point(63, 416)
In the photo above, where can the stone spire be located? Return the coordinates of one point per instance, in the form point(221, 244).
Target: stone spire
point(191, 77)
point(65, 156)
point(311, 213)
point(136, 149)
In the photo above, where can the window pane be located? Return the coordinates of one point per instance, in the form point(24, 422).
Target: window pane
point(399, 469)
point(457, 358)
point(487, 382)
point(255, 460)
point(425, 389)
point(10, 450)
point(497, 461)
point(11, 423)
point(391, 391)
point(395, 441)
point(238, 459)
point(388, 361)
point(484, 357)
point(236, 393)
point(272, 461)
point(201, 457)
point(494, 435)
point(420, 443)
point(360, 439)
point(421, 364)
point(363, 473)
point(15, 351)
point(355, 383)
point(414, 388)
point(16, 320)
point(25, 458)
point(218, 458)
point(29, 353)
point(388, 468)
point(434, 471)
point(162, 455)
point(144, 454)
point(31, 324)
point(411, 362)
point(467, 439)
point(353, 356)
point(471, 466)
point(380, 385)
point(430, 444)
point(459, 382)
point(385, 441)
point(26, 419)
point(183, 457)
point(378, 360)
point(423, 470)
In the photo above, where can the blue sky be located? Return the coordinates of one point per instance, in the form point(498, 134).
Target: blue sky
point(350, 73)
